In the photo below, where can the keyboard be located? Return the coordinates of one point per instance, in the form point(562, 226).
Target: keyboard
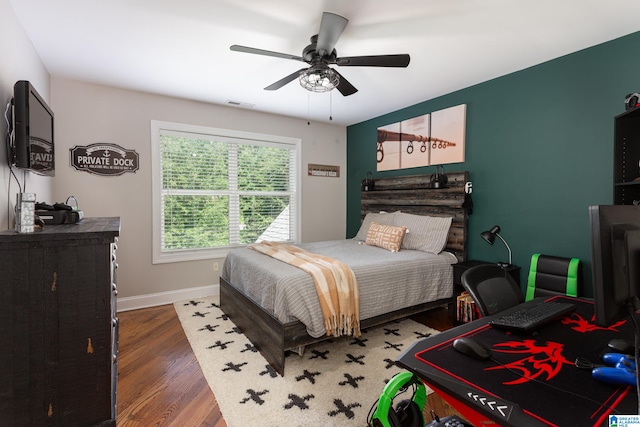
point(533, 317)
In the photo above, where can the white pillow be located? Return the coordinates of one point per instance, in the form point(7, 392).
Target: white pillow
point(383, 218)
point(424, 233)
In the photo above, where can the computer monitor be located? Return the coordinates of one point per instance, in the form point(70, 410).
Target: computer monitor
point(615, 261)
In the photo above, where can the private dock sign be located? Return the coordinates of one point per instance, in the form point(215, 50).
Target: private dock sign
point(104, 159)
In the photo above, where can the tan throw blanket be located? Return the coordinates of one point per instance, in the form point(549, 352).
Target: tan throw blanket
point(335, 283)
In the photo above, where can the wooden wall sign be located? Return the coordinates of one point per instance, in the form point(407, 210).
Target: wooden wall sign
point(104, 159)
point(323, 170)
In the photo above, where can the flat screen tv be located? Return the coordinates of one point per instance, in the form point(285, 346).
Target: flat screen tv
point(615, 258)
point(32, 147)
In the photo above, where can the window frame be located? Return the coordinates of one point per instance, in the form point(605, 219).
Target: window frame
point(157, 126)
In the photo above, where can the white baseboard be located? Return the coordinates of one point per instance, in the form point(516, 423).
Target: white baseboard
point(163, 298)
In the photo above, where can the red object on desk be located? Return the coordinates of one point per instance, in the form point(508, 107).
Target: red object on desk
point(530, 379)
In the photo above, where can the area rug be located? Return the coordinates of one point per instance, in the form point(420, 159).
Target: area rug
point(334, 383)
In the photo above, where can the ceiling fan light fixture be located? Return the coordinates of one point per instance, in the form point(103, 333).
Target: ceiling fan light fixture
point(319, 79)
point(320, 54)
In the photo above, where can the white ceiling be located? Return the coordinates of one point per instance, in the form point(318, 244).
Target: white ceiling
point(181, 47)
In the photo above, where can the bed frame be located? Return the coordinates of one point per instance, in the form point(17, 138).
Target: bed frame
point(410, 194)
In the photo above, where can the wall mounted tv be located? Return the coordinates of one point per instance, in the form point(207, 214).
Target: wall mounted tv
point(32, 147)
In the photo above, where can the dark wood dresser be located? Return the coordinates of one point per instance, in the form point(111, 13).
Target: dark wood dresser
point(59, 325)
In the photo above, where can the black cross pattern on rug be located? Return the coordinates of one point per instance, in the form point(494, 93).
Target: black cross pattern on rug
point(394, 332)
point(223, 317)
point(210, 328)
point(420, 335)
point(221, 345)
point(355, 359)
point(234, 330)
point(199, 314)
point(343, 409)
point(306, 375)
point(389, 345)
point(317, 354)
point(359, 342)
point(352, 381)
point(254, 396)
point(234, 367)
point(268, 370)
point(214, 305)
point(192, 303)
point(389, 363)
point(249, 347)
point(298, 402)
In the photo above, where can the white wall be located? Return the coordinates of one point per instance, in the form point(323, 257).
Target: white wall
point(19, 61)
point(87, 114)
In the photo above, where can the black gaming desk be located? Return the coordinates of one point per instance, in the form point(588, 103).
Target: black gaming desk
point(561, 395)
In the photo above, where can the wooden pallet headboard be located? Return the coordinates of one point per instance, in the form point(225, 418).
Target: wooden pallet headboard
point(412, 194)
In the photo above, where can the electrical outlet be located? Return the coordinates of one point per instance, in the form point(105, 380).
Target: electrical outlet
point(215, 266)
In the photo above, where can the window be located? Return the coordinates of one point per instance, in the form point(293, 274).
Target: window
point(217, 189)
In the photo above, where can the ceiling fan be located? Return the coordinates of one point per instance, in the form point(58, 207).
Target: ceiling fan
point(319, 77)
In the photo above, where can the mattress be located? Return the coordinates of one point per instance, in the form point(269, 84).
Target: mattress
point(387, 281)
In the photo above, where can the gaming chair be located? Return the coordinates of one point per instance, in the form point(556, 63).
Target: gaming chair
point(552, 275)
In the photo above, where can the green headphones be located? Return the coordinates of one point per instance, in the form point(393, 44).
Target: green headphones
point(408, 412)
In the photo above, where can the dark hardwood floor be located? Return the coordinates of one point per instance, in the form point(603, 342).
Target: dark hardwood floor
point(160, 382)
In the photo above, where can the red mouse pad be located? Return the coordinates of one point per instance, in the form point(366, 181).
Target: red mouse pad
point(538, 370)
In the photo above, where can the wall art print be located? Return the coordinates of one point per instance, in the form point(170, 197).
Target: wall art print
point(432, 139)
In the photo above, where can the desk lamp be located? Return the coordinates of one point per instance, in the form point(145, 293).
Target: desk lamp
point(490, 237)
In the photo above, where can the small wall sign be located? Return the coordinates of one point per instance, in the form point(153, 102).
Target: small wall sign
point(104, 159)
point(324, 170)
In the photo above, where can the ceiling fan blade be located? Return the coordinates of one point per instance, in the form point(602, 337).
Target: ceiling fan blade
point(401, 60)
point(331, 28)
point(245, 49)
point(291, 77)
point(344, 86)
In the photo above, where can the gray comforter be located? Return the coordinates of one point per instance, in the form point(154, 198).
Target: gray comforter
point(388, 281)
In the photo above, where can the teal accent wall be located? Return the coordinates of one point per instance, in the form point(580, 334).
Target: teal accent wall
point(539, 149)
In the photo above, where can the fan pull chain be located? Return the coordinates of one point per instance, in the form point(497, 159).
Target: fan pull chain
point(308, 109)
point(331, 105)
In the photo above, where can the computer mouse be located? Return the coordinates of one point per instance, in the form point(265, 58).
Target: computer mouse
point(471, 347)
point(620, 346)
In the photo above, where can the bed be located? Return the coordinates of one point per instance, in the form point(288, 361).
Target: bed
point(272, 302)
